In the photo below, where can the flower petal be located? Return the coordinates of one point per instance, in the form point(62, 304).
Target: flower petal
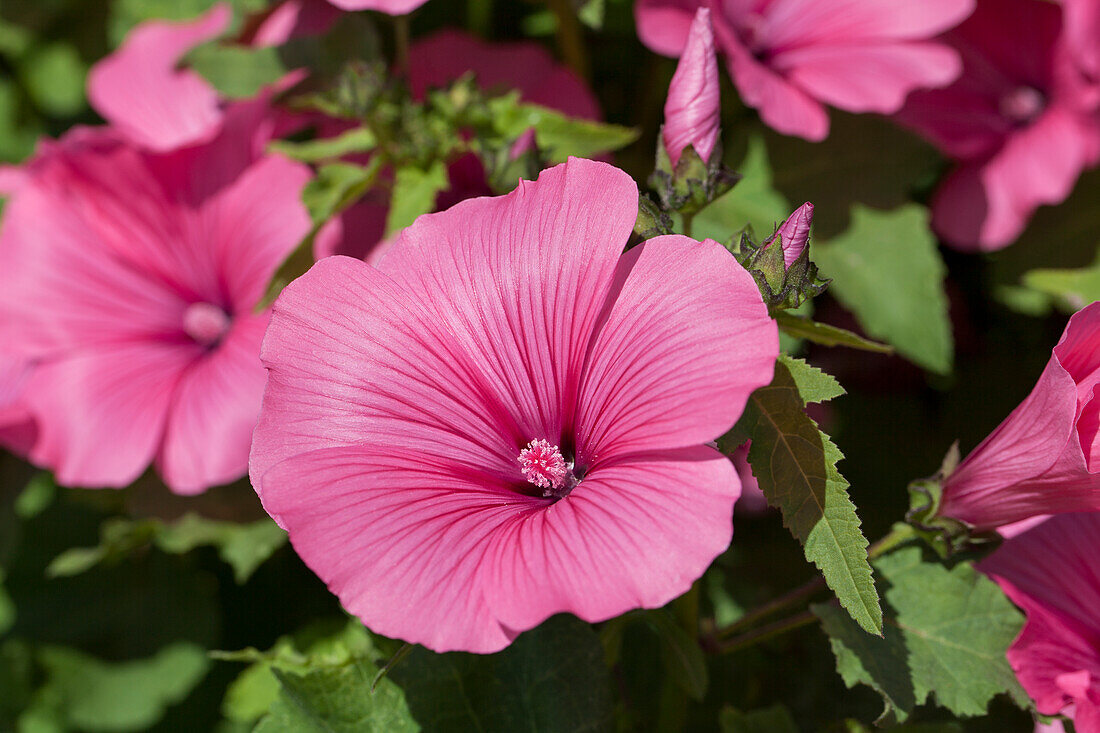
point(139, 90)
point(634, 534)
point(801, 23)
point(214, 411)
point(686, 341)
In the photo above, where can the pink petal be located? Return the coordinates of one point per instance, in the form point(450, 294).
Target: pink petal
point(392, 7)
point(350, 357)
point(693, 105)
point(686, 341)
point(521, 279)
point(664, 25)
point(139, 90)
point(439, 59)
point(1082, 29)
point(295, 18)
point(868, 77)
point(101, 414)
point(794, 233)
point(401, 537)
point(215, 409)
point(802, 23)
point(670, 513)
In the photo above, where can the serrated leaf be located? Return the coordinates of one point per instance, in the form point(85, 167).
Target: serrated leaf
point(681, 655)
point(957, 625)
point(119, 696)
point(558, 135)
point(358, 140)
point(414, 192)
point(1071, 289)
point(795, 464)
point(887, 270)
point(813, 384)
point(550, 679)
point(881, 663)
point(776, 719)
point(752, 202)
point(826, 335)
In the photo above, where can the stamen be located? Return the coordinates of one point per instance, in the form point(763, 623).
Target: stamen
point(206, 323)
point(1022, 104)
point(544, 466)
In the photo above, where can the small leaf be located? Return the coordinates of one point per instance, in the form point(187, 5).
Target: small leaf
point(813, 384)
point(414, 192)
point(358, 140)
point(38, 494)
point(1072, 290)
point(244, 547)
point(53, 76)
point(775, 719)
point(826, 335)
point(795, 464)
point(120, 696)
point(887, 270)
point(681, 654)
point(558, 135)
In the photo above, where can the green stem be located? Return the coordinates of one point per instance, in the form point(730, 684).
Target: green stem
point(899, 535)
point(479, 17)
point(570, 37)
point(769, 631)
point(794, 597)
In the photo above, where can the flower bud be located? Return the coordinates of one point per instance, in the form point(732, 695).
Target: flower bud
point(692, 107)
point(794, 233)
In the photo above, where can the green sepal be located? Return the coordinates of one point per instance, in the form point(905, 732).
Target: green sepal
point(947, 536)
point(692, 183)
point(652, 220)
point(782, 287)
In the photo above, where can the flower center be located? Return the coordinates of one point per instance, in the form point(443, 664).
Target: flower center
point(1022, 104)
point(206, 323)
point(544, 466)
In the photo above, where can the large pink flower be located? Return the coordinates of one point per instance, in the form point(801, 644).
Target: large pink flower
point(505, 419)
point(1050, 572)
point(1045, 457)
point(436, 61)
point(788, 58)
point(1019, 121)
point(129, 279)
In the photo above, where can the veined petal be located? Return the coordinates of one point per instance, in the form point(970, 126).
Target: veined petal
point(801, 23)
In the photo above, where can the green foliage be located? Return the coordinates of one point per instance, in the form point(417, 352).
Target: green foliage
point(89, 694)
point(795, 464)
point(243, 546)
point(775, 719)
point(887, 270)
point(946, 634)
point(125, 14)
point(36, 495)
point(53, 75)
point(826, 335)
point(1070, 289)
point(813, 384)
point(550, 679)
point(7, 607)
point(751, 203)
point(681, 655)
point(558, 135)
point(355, 141)
point(414, 192)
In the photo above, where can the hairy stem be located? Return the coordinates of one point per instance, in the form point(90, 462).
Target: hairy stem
point(768, 631)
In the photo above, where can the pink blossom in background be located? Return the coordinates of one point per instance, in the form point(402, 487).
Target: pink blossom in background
point(789, 58)
point(1019, 122)
point(692, 109)
point(1045, 457)
point(17, 428)
point(129, 280)
point(1082, 31)
point(506, 418)
point(794, 233)
point(752, 501)
point(140, 91)
point(436, 61)
point(393, 7)
point(1051, 573)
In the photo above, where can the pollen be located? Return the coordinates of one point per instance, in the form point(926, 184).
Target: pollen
point(543, 465)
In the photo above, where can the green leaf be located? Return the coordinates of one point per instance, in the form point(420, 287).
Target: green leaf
point(244, 547)
point(120, 696)
point(681, 654)
point(776, 719)
point(887, 270)
point(557, 135)
point(751, 203)
point(878, 662)
point(550, 679)
point(125, 14)
point(53, 76)
point(1071, 289)
point(957, 625)
point(813, 384)
point(824, 334)
point(7, 607)
point(591, 13)
point(38, 494)
point(238, 72)
point(795, 464)
point(358, 140)
point(414, 192)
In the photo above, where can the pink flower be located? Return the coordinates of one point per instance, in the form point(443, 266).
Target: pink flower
point(436, 61)
point(1045, 457)
point(1050, 572)
point(1017, 121)
point(392, 7)
point(130, 279)
point(17, 428)
point(140, 91)
point(788, 58)
point(794, 233)
point(692, 109)
point(505, 419)
point(1082, 30)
